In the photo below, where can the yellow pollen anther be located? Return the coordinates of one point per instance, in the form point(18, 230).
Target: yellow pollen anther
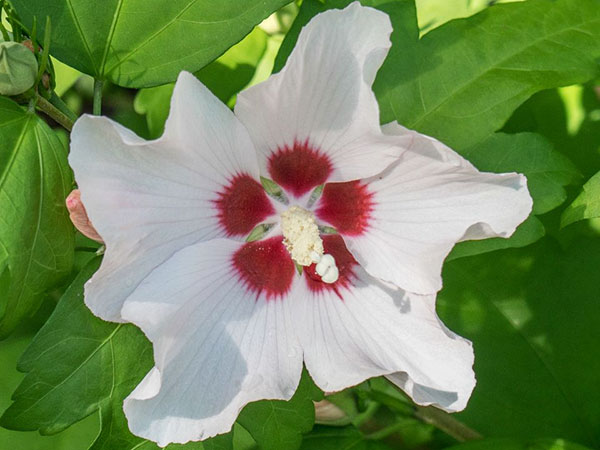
point(301, 235)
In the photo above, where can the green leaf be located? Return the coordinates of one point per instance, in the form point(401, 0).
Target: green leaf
point(463, 80)
point(534, 320)
point(586, 205)
point(36, 236)
point(279, 425)
point(337, 438)
point(225, 77)
point(143, 43)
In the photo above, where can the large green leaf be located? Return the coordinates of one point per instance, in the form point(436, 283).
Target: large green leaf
point(463, 80)
point(534, 318)
point(36, 236)
point(141, 43)
point(279, 425)
point(586, 205)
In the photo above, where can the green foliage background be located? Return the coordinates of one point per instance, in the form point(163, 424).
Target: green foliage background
point(512, 86)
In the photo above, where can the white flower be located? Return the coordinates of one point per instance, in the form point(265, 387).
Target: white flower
point(232, 322)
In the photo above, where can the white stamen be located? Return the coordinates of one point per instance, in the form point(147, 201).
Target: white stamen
point(301, 235)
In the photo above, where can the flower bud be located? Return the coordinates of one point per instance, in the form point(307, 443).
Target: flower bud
point(79, 217)
point(18, 68)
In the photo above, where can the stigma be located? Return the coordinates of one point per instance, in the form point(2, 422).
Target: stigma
point(302, 240)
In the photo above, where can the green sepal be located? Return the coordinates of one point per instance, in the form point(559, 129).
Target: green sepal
point(274, 190)
point(259, 232)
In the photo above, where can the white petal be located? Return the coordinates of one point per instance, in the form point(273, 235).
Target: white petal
point(430, 199)
point(150, 199)
point(368, 329)
point(323, 97)
point(217, 346)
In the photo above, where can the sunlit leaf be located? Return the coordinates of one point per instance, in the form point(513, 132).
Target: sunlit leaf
point(433, 13)
point(65, 76)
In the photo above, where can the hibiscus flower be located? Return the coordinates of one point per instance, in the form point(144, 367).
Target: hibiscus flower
point(344, 276)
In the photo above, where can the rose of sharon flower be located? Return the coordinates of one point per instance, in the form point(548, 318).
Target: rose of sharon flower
point(233, 321)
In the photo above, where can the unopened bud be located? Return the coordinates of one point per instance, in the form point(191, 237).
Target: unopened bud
point(79, 216)
point(18, 68)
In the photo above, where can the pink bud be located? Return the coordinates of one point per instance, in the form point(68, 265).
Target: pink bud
point(79, 216)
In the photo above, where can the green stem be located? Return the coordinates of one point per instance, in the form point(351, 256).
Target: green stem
point(58, 102)
point(97, 109)
point(446, 423)
point(52, 111)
